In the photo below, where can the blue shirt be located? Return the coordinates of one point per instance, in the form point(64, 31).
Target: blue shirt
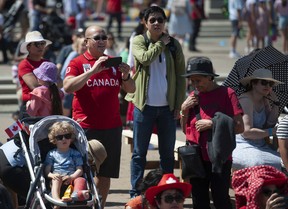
point(64, 163)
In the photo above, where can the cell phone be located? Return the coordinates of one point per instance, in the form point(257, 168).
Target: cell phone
point(113, 62)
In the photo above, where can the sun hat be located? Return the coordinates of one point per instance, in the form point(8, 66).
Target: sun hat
point(262, 74)
point(248, 182)
point(96, 154)
point(47, 71)
point(199, 66)
point(168, 181)
point(33, 36)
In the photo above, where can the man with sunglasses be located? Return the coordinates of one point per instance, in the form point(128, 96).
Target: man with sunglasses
point(160, 91)
point(96, 104)
point(35, 45)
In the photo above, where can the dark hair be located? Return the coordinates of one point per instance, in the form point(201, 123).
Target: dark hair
point(248, 87)
point(56, 100)
point(152, 10)
point(284, 3)
point(151, 179)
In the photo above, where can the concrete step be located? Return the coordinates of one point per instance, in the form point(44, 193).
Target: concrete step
point(7, 89)
point(209, 28)
point(8, 99)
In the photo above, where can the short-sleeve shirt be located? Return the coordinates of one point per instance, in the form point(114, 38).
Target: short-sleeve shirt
point(27, 66)
point(64, 163)
point(282, 129)
point(223, 100)
point(96, 104)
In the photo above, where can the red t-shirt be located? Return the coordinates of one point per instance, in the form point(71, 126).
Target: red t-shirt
point(223, 100)
point(199, 4)
point(96, 104)
point(113, 6)
point(27, 66)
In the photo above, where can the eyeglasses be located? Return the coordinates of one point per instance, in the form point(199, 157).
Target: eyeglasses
point(39, 43)
point(61, 137)
point(265, 82)
point(268, 192)
point(170, 198)
point(159, 20)
point(99, 37)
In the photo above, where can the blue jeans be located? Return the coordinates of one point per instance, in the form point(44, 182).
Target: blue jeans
point(143, 125)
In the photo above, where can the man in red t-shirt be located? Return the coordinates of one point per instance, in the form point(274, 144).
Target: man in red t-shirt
point(96, 105)
point(34, 45)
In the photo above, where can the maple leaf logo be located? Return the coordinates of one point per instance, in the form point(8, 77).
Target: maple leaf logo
point(15, 128)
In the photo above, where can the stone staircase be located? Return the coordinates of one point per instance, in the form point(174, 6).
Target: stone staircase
point(8, 97)
point(8, 100)
point(210, 28)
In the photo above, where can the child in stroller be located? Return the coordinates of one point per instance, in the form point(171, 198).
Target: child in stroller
point(63, 165)
point(40, 146)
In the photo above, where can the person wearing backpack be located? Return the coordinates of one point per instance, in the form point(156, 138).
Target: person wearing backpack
point(160, 90)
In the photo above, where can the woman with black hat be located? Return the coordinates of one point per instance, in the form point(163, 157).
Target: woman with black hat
point(197, 121)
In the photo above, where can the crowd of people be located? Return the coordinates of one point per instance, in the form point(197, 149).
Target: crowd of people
point(80, 84)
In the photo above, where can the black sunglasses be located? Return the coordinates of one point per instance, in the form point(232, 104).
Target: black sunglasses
point(170, 198)
point(159, 20)
point(99, 37)
point(61, 137)
point(39, 43)
point(265, 82)
point(268, 192)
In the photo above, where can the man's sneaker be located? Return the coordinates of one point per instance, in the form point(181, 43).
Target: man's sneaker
point(234, 55)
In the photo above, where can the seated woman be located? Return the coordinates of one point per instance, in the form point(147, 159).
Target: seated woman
point(169, 193)
point(260, 187)
point(259, 119)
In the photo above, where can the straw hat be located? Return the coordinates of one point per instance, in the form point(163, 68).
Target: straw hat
point(33, 36)
point(96, 154)
point(262, 74)
point(199, 66)
point(168, 181)
point(47, 71)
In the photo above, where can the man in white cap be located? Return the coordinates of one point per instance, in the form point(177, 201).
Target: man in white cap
point(34, 45)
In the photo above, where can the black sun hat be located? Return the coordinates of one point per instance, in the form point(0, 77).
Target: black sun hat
point(199, 66)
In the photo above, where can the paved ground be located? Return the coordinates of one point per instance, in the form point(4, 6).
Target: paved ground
point(215, 48)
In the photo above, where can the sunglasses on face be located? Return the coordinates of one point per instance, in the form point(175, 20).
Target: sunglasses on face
point(39, 43)
point(61, 137)
point(170, 198)
point(265, 82)
point(99, 37)
point(268, 192)
point(159, 20)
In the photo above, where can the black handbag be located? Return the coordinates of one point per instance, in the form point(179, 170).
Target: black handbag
point(192, 162)
point(191, 157)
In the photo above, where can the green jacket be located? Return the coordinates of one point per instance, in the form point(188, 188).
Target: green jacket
point(143, 57)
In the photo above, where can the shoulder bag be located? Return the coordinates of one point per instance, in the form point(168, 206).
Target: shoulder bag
point(191, 158)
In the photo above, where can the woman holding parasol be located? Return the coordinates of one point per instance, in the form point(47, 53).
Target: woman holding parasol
point(260, 116)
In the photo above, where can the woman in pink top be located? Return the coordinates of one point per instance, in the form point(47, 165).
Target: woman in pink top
point(46, 99)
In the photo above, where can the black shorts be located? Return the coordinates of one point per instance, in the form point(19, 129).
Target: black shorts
point(112, 141)
point(15, 178)
point(235, 28)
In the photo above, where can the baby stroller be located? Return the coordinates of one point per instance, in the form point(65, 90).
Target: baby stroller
point(39, 145)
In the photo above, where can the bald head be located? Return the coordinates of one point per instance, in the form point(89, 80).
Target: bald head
point(91, 30)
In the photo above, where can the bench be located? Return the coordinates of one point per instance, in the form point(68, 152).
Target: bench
point(152, 164)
